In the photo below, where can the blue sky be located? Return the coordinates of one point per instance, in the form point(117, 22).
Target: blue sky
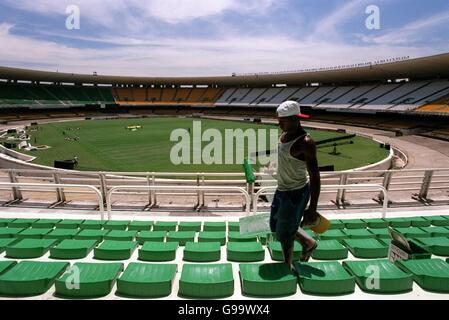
point(215, 37)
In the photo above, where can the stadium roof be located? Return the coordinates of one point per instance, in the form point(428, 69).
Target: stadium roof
point(428, 67)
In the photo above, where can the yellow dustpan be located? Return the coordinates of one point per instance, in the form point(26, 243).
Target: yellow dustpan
point(321, 225)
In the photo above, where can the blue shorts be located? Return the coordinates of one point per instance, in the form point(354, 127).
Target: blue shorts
point(287, 211)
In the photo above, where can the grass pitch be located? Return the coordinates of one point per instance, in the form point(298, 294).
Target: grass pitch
point(109, 145)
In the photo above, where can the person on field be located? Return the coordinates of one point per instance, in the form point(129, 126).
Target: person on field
point(299, 181)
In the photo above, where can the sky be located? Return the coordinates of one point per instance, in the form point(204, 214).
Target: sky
point(215, 37)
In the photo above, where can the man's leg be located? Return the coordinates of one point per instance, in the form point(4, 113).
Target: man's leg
point(306, 241)
point(287, 250)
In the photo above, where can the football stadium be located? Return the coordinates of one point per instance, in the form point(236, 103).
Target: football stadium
point(118, 187)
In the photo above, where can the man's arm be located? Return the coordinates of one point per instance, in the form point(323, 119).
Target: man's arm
point(314, 174)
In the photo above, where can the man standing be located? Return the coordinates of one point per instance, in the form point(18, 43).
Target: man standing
point(299, 181)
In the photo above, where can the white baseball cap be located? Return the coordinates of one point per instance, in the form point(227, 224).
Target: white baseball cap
point(289, 109)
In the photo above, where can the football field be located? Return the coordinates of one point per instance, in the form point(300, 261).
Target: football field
point(144, 145)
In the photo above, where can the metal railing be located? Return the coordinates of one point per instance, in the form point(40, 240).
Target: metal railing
point(419, 183)
point(359, 187)
point(237, 191)
point(58, 187)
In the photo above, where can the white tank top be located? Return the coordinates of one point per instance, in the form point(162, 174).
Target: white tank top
point(291, 172)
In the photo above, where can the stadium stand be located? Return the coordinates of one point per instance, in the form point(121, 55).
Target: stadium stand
point(16, 94)
point(441, 105)
point(405, 96)
point(338, 266)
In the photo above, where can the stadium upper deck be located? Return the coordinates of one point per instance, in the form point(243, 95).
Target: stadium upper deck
point(409, 85)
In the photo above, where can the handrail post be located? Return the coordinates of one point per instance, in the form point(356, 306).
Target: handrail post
point(343, 192)
point(153, 183)
point(340, 198)
point(16, 193)
point(59, 191)
point(103, 185)
point(150, 196)
point(203, 202)
point(427, 180)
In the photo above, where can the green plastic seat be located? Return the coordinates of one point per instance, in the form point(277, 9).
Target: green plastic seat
point(263, 238)
point(6, 265)
point(45, 223)
point(158, 251)
point(413, 232)
point(165, 226)
point(276, 253)
point(333, 235)
point(376, 223)
point(72, 249)
point(115, 250)
point(182, 237)
point(30, 278)
point(214, 226)
point(7, 242)
point(324, 278)
point(234, 236)
point(29, 248)
point(420, 222)
point(366, 248)
point(4, 222)
point(95, 280)
point(140, 225)
point(437, 231)
point(33, 233)
point(10, 232)
point(438, 221)
point(267, 280)
point(234, 226)
point(438, 246)
point(430, 274)
point(202, 251)
point(212, 236)
point(92, 225)
point(245, 251)
point(354, 223)
point(69, 224)
point(120, 235)
point(21, 223)
point(62, 234)
point(116, 225)
point(190, 226)
point(359, 234)
point(398, 222)
point(379, 276)
point(336, 224)
point(206, 281)
point(151, 236)
point(144, 280)
point(91, 235)
point(380, 233)
point(330, 250)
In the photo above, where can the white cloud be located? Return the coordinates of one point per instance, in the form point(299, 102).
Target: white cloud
point(327, 26)
point(192, 57)
point(5, 28)
point(410, 32)
point(104, 12)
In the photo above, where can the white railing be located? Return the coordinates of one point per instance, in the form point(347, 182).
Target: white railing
point(58, 187)
point(417, 182)
point(237, 191)
point(360, 187)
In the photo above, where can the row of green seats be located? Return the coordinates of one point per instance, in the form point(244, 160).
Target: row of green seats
point(139, 280)
point(121, 225)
